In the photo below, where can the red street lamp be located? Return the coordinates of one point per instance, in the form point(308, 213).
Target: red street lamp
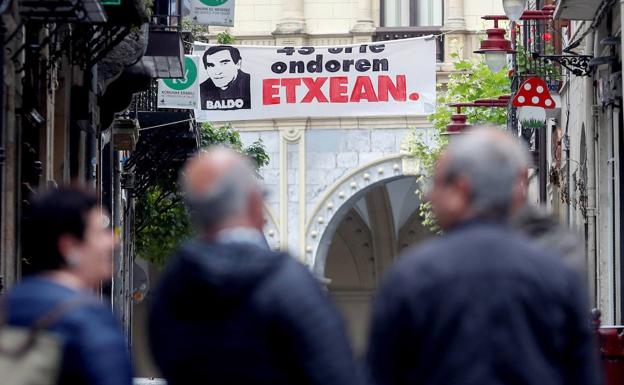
point(500, 102)
point(458, 120)
point(495, 47)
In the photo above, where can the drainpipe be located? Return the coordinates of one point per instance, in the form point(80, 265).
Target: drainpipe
point(3, 8)
point(592, 257)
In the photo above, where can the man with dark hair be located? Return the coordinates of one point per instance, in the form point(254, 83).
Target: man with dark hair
point(481, 305)
point(227, 86)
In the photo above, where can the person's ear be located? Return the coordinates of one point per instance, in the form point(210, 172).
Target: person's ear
point(238, 65)
point(67, 245)
point(256, 210)
point(464, 187)
point(520, 190)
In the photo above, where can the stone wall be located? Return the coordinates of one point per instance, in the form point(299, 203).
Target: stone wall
point(303, 168)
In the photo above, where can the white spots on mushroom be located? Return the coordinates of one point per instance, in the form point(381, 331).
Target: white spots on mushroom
point(535, 100)
point(527, 86)
point(540, 89)
point(521, 99)
point(548, 102)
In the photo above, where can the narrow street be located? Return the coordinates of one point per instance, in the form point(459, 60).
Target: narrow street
point(351, 115)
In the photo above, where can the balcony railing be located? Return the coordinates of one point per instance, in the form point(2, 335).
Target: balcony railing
point(396, 33)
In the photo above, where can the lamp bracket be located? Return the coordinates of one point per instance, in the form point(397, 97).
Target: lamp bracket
point(577, 64)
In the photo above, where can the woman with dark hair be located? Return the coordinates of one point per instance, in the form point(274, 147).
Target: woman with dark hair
point(70, 247)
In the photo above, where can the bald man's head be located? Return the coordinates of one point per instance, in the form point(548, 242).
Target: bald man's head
point(220, 190)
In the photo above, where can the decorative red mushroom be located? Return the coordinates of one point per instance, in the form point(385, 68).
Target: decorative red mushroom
point(533, 99)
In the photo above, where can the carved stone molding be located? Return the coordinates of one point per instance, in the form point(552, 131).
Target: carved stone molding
point(325, 218)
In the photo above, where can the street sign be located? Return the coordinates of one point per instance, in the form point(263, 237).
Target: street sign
point(213, 12)
point(180, 93)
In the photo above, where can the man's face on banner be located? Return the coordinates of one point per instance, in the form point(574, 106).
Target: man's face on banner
point(221, 68)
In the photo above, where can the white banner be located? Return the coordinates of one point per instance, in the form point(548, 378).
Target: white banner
point(181, 93)
point(376, 79)
point(213, 12)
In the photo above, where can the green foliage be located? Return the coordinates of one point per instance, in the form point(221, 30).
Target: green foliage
point(200, 32)
point(162, 221)
point(163, 224)
point(225, 38)
point(533, 124)
point(472, 80)
point(227, 136)
point(528, 66)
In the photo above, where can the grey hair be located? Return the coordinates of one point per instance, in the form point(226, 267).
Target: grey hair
point(492, 162)
point(226, 198)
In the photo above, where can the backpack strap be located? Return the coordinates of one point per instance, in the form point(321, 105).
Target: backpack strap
point(42, 323)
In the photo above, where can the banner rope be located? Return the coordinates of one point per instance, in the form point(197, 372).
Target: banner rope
point(168, 124)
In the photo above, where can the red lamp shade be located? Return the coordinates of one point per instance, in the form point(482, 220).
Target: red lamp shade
point(496, 46)
point(458, 120)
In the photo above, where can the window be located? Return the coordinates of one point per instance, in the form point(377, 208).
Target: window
point(412, 13)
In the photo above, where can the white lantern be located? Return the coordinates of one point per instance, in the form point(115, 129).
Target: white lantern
point(514, 9)
point(496, 61)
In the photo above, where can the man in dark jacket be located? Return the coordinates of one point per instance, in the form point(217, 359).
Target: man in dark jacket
point(481, 305)
point(230, 311)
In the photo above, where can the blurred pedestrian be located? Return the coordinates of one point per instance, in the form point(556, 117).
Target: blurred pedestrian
point(537, 224)
point(70, 247)
point(481, 305)
point(229, 310)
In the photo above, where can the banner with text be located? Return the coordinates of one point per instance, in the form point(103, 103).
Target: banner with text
point(181, 93)
point(376, 79)
point(213, 12)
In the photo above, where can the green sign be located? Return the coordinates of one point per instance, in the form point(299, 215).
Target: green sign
point(181, 93)
point(190, 75)
point(110, 2)
point(213, 3)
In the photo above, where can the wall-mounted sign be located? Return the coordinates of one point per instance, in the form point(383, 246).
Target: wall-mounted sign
point(533, 99)
point(180, 93)
point(213, 12)
point(375, 79)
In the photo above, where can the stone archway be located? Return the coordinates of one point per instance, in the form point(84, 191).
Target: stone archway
point(359, 246)
point(338, 200)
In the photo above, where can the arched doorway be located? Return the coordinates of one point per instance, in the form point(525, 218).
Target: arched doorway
point(376, 227)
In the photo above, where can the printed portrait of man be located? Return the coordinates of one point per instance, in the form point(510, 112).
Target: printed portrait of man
point(227, 86)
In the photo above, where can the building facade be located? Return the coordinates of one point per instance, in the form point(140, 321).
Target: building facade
point(586, 145)
point(71, 70)
point(341, 190)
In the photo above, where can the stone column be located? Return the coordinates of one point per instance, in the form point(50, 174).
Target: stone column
point(455, 28)
point(364, 24)
point(293, 21)
point(455, 19)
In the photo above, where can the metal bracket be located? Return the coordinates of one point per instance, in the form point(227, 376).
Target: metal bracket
point(576, 64)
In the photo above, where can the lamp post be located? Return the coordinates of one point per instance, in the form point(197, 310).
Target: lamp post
point(458, 120)
point(496, 46)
